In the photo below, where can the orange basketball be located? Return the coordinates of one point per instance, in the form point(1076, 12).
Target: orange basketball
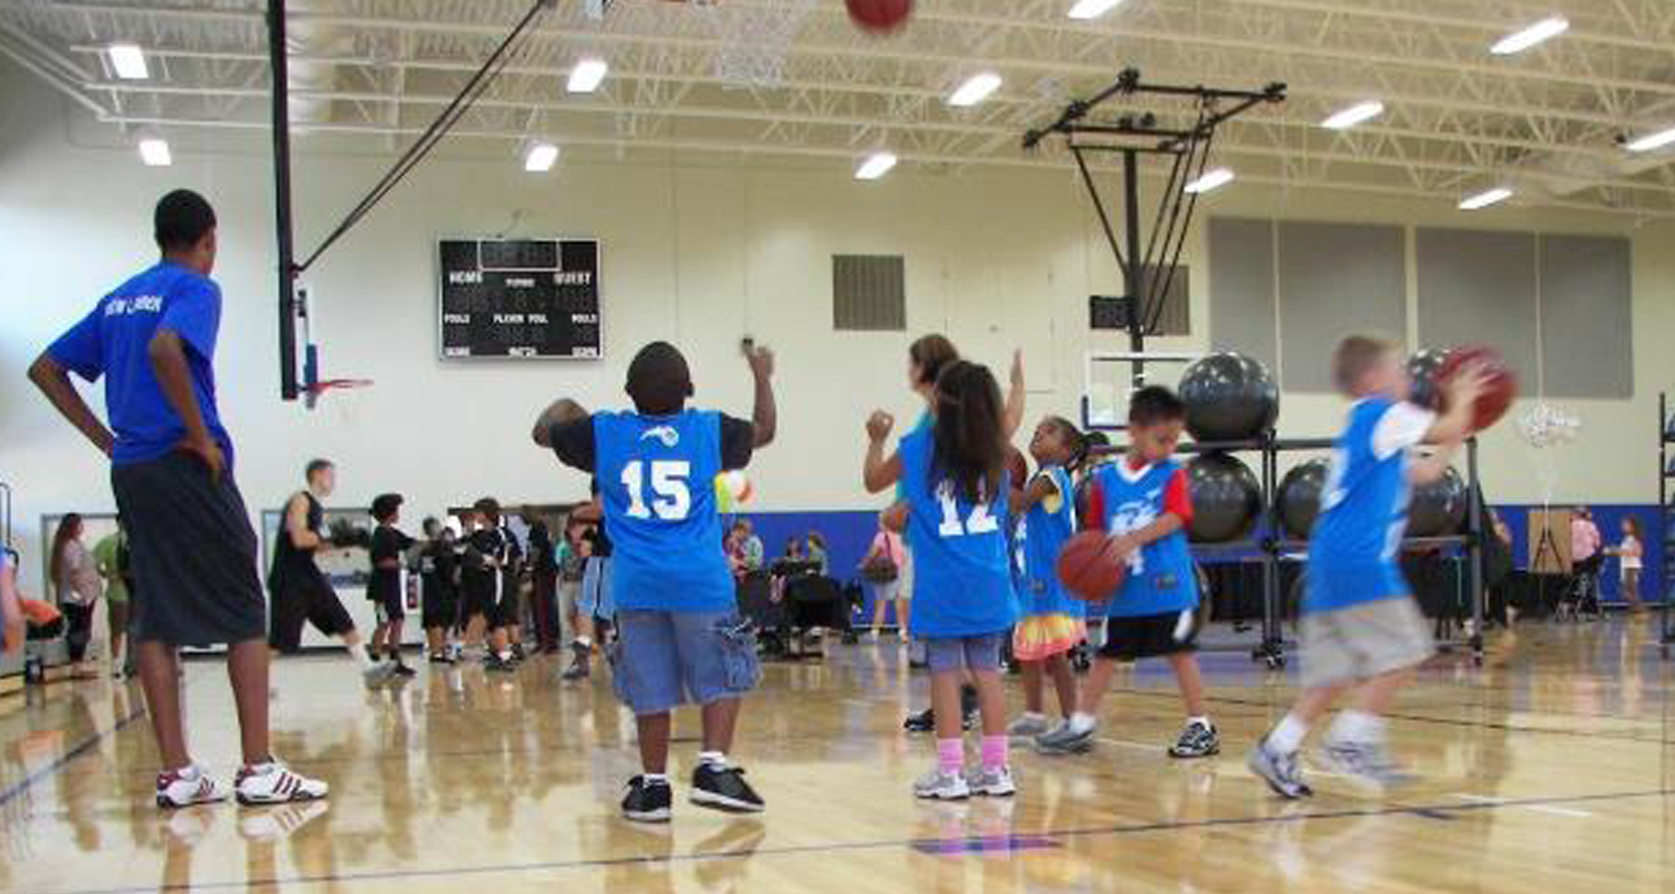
point(1088, 568)
point(879, 16)
point(1501, 388)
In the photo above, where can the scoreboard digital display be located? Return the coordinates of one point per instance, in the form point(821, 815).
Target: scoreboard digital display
point(525, 298)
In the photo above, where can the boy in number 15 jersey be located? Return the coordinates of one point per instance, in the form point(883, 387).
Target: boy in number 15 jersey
point(680, 635)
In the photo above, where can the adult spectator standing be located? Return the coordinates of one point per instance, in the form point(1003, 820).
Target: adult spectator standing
point(750, 547)
point(543, 576)
point(153, 341)
point(110, 558)
point(881, 568)
point(1585, 555)
point(76, 582)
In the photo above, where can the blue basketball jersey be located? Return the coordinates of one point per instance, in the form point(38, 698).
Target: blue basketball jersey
point(962, 577)
point(1356, 541)
point(1160, 576)
point(1045, 528)
point(656, 478)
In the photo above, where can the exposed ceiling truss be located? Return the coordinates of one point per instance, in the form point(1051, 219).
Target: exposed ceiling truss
point(796, 78)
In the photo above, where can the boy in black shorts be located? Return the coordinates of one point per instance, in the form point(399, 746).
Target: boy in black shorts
point(439, 589)
point(481, 580)
point(153, 341)
point(300, 591)
point(1142, 501)
point(384, 588)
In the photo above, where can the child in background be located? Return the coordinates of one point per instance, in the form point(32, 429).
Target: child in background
point(1362, 631)
point(1630, 553)
point(679, 633)
point(1143, 502)
point(439, 590)
point(384, 588)
point(954, 485)
point(1052, 624)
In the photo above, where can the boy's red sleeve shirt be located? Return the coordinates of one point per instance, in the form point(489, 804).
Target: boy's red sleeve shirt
point(1177, 497)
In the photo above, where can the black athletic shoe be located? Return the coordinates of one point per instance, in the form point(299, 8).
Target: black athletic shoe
point(402, 670)
point(499, 665)
point(517, 652)
point(578, 670)
point(724, 788)
point(968, 706)
point(442, 659)
point(922, 722)
point(647, 802)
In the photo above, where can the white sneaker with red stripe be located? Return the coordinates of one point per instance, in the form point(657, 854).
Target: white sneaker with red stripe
point(272, 783)
point(187, 786)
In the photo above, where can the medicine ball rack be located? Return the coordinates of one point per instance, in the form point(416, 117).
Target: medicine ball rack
point(1268, 537)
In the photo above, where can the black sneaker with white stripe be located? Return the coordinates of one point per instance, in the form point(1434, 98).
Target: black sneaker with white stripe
point(647, 802)
point(1197, 740)
point(724, 788)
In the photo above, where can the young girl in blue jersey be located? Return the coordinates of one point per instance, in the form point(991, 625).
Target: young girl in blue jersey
point(1053, 620)
point(680, 637)
point(1361, 629)
point(1142, 501)
point(954, 486)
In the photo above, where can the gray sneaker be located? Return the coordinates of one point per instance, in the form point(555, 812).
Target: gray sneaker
point(1280, 771)
point(994, 783)
point(939, 786)
point(1197, 740)
point(1366, 762)
point(378, 673)
point(1027, 727)
point(1064, 740)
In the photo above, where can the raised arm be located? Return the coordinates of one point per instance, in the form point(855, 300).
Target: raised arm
point(54, 382)
point(168, 362)
point(765, 417)
point(562, 410)
point(879, 472)
point(1014, 411)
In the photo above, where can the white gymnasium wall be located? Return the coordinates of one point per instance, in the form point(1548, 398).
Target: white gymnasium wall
point(698, 251)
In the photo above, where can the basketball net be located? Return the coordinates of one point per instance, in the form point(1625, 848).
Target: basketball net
point(755, 38)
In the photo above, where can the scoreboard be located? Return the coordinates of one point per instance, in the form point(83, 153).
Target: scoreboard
point(530, 298)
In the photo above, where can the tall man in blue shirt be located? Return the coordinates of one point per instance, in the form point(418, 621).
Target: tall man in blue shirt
point(152, 340)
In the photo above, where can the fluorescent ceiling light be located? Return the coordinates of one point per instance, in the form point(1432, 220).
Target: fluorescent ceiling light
point(586, 75)
point(975, 89)
point(876, 165)
point(1091, 9)
point(154, 151)
point(539, 157)
point(1210, 180)
point(1485, 198)
point(1519, 41)
point(1355, 114)
point(129, 61)
point(1652, 141)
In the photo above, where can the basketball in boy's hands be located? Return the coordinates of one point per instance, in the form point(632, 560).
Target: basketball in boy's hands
point(1089, 568)
point(1500, 385)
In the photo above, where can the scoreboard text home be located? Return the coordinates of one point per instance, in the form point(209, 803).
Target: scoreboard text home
point(520, 298)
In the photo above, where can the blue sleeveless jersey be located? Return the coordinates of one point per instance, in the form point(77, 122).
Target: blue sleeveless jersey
point(656, 478)
point(1160, 577)
point(962, 577)
point(1356, 541)
point(1045, 528)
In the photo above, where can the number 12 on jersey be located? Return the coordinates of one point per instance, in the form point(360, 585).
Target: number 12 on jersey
point(673, 496)
point(979, 522)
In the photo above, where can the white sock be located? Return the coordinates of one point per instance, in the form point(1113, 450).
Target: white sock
point(357, 651)
point(1034, 717)
point(583, 642)
point(656, 778)
point(715, 759)
point(1288, 736)
point(1358, 726)
point(1202, 720)
point(1083, 723)
point(505, 655)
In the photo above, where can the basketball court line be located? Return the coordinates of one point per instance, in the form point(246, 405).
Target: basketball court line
point(1450, 810)
point(1539, 808)
point(23, 785)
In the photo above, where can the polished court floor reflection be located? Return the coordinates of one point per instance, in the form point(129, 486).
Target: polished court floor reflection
point(1549, 769)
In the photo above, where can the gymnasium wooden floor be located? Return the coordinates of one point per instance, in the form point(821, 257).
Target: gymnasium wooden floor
point(1550, 769)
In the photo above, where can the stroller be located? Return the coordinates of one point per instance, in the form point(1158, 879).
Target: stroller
point(1580, 599)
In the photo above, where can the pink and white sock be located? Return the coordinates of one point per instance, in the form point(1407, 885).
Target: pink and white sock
point(950, 756)
point(995, 752)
